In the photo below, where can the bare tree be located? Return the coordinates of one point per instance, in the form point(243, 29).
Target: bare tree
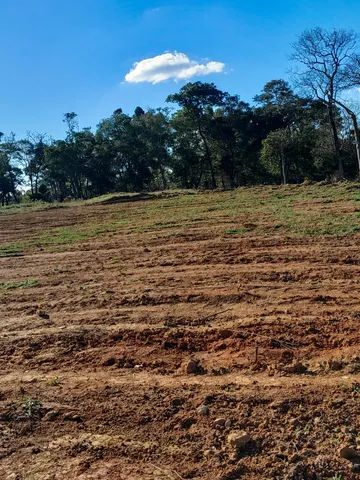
point(353, 71)
point(352, 80)
point(325, 58)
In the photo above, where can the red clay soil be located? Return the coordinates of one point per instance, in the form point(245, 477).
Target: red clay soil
point(137, 355)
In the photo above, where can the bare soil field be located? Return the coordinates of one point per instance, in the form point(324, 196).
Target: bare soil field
point(183, 335)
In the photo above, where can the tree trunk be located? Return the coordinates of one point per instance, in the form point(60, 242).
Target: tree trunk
point(357, 139)
point(201, 174)
point(352, 115)
point(283, 169)
point(209, 159)
point(336, 141)
point(163, 178)
point(31, 184)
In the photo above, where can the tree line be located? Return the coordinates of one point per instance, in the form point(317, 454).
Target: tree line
point(306, 130)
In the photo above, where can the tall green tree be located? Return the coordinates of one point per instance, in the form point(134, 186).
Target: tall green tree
point(199, 101)
point(10, 173)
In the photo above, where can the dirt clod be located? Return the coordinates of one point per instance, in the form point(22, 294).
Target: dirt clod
point(51, 416)
point(220, 422)
point(203, 410)
point(72, 417)
point(295, 368)
point(238, 440)
point(193, 367)
point(349, 453)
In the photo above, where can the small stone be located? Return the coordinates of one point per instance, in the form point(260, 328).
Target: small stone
point(186, 423)
point(193, 367)
point(50, 416)
point(220, 422)
point(228, 423)
point(203, 410)
point(72, 417)
point(335, 365)
point(109, 362)
point(296, 368)
point(44, 315)
point(349, 453)
point(238, 440)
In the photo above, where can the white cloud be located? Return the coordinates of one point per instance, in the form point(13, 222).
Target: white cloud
point(177, 66)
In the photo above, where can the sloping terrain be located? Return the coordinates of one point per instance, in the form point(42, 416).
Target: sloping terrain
point(143, 339)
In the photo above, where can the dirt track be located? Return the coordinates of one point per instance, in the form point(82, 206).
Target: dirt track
point(102, 340)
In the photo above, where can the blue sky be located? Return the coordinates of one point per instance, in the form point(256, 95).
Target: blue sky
point(73, 55)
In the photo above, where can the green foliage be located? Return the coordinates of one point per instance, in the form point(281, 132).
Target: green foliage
point(10, 249)
point(10, 174)
point(31, 408)
point(338, 476)
point(28, 283)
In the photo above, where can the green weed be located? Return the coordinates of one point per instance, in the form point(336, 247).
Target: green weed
point(11, 249)
point(28, 283)
point(31, 408)
point(54, 382)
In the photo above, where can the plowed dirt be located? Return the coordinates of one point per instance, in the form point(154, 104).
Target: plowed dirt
point(104, 304)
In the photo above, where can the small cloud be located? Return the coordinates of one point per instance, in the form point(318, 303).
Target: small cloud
point(176, 66)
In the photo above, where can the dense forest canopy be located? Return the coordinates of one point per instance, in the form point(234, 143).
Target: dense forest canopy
point(210, 139)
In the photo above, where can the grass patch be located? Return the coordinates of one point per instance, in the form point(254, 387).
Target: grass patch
point(28, 283)
point(61, 236)
point(11, 250)
point(70, 235)
point(292, 210)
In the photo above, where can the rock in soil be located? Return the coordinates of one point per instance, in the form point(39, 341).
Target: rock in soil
point(193, 367)
point(51, 416)
point(72, 417)
point(295, 368)
point(220, 422)
point(349, 453)
point(238, 440)
point(203, 410)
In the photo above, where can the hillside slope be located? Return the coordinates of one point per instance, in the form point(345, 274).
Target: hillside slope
point(138, 336)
